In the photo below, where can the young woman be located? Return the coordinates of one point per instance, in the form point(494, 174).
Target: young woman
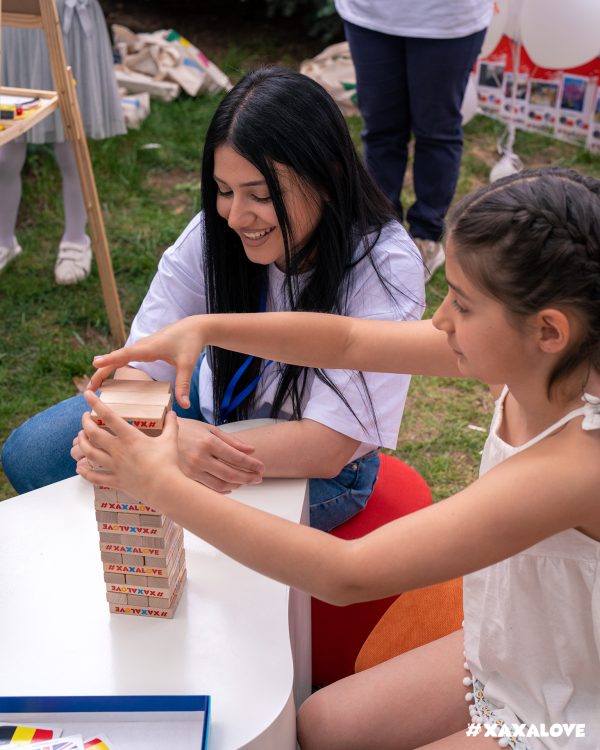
point(522, 314)
point(291, 221)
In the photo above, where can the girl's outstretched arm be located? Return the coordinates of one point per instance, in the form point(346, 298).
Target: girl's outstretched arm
point(522, 501)
point(306, 339)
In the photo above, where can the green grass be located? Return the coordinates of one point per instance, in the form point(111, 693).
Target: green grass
point(49, 333)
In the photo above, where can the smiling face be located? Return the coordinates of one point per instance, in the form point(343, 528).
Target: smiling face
point(480, 332)
point(244, 202)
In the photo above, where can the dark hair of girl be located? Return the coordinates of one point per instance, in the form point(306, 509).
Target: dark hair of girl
point(276, 116)
point(532, 240)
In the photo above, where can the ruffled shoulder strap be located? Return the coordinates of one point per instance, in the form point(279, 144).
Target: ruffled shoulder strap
point(591, 412)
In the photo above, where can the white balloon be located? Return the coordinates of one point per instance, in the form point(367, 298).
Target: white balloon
point(470, 105)
point(561, 33)
point(496, 28)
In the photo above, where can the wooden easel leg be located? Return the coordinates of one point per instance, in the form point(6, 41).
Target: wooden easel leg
point(75, 133)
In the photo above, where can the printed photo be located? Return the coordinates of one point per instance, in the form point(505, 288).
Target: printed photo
point(543, 94)
point(521, 92)
point(491, 75)
point(597, 108)
point(573, 94)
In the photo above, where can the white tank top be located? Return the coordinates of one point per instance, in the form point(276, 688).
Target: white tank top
point(532, 622)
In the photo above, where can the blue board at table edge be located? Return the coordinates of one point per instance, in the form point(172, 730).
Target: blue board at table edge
point(109, 703)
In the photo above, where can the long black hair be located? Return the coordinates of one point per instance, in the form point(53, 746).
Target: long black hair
point(532, 240)
point(276, 116)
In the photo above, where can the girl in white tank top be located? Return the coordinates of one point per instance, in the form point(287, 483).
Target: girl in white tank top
point(523, 309)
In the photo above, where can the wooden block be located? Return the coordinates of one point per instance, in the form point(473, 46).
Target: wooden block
point(159, 543)
point(104, 494)
point(106, 516)
point(138, 570)
point(157, 387)
point(137, 601)
point(133, 398)
point(114, 578)
point(136, 580)
point(152, 520)
point(112, 557)
point(144, 417)
point(145, 531)
point(160, 562)
point(153, 573)
point(154, 542)
point(109, 538)
point(132, 519)
point(142, 402)
point(115, 598)
point(129, 500)
point(124, 507)
point(131, 559)
point(160, 594)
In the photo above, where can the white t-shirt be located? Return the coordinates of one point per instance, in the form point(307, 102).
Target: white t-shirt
point(427, 19)
point(178, 290)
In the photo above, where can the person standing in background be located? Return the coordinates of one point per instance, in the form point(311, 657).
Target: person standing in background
point(412, 62)
point(25, 64)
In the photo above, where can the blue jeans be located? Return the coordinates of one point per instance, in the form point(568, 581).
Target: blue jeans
point(38, 453)
point(411, 85)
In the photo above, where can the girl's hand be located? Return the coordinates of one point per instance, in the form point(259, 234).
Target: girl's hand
point(180, 344)
point(129, 459)
point(218, 460)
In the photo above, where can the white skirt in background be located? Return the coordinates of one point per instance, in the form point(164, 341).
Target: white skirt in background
point(25, 64)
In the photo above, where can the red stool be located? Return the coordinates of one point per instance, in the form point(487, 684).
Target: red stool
point(338, 633)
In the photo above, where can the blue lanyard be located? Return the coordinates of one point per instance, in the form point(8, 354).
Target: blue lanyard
point(231, 402)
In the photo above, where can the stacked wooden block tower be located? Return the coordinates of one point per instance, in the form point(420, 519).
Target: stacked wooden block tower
point(142, 551)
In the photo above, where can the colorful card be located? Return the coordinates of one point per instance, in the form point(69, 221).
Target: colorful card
point(98, 743)
point(74, 742)
point(13, 734)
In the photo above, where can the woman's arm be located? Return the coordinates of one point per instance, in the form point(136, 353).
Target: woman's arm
point(522, 501)
point(300, 448)
point(306, 339)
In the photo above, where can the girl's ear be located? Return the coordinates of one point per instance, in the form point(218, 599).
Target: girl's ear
point(555, 330)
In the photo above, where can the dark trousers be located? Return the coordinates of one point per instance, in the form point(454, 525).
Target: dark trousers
point(407, 85)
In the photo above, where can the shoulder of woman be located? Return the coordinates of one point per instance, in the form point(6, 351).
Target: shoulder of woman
point(389, 240)
point(191, 238)
point(396, 256)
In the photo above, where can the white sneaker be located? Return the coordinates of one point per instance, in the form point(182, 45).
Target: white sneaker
point(433, 255)
point(9, 253)
point(73, 262)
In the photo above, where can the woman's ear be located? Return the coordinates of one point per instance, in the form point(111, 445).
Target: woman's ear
point(555, 329)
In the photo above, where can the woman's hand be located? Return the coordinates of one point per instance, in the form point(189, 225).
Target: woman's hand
point(180, 344)
point(215, 458)
point(209, 455)
point(129, 459)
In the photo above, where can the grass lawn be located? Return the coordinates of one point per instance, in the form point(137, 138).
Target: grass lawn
point(148, 194)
